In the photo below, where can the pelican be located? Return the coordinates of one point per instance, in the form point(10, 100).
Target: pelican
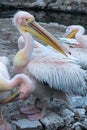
point(77, 32)
point(7, 84)
point(77, 49)
point(78, 54)
point(76, 46)
point(52, 75)
point(4, 65)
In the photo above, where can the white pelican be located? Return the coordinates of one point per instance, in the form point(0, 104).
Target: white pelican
point(77, 49)
point(78, 54)
point(7, 84)
point(77, 46)
point(4, 65)
point(77, 32)
point(60, 75)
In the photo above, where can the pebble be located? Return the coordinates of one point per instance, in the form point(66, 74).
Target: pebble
point(52, 122)
point(80, 112)
point(78, 102)
point(25, 124)
point(67, 115)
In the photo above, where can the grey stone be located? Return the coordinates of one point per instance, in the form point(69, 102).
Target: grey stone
point(78, 101)
point(52, 121)
point(80, 112)
point(85, 123)
point(14, 127)
point(69, 8)
point(67, 115)
point(39, 4)
point(79, 126)
point(25, 124)
point(60, 5)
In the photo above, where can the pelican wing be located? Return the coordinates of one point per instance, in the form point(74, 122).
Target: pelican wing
point(81, 55)
point(68, 41)
point(60, 74)
point(83, 39)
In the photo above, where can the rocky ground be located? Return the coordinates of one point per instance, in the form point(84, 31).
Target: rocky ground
point(73, 6)
point(61, 117)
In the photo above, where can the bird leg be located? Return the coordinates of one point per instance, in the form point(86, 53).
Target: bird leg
point(41, 114)
point(32, 109)
point(1, 116)
point(2, 120)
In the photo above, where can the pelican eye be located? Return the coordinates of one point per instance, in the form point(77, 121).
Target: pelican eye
point(69, 29)
point(30, 20)
point(26, 19)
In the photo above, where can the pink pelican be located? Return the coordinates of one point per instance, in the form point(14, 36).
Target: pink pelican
point(77, 32)
point(72, 42)
point(7, 84)
point(4, 65)
point(52, 75)
point(78, 45)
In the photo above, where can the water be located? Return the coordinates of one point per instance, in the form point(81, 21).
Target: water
point(47, 16)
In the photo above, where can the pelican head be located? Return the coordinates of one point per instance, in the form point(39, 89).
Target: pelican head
point(21, 18)
point(25, 22)
point(72, 30)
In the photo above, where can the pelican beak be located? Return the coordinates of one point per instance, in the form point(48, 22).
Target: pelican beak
point(13, 97)
point(38, 31)
point(71, 34)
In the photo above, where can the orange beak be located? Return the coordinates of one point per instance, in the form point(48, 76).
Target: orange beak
point(71, 34)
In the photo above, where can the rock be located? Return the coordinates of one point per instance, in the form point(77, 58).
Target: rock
point(79, 126)
point(78, 101)
point(39, 4)
point(75, 125)
point(85, 123)
point(25, 124)
point(67, 115)
point(14, 127)
point(52, 122)
point(68, 5)
point(77, 6)
point(80, 112)
point(68, 8)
